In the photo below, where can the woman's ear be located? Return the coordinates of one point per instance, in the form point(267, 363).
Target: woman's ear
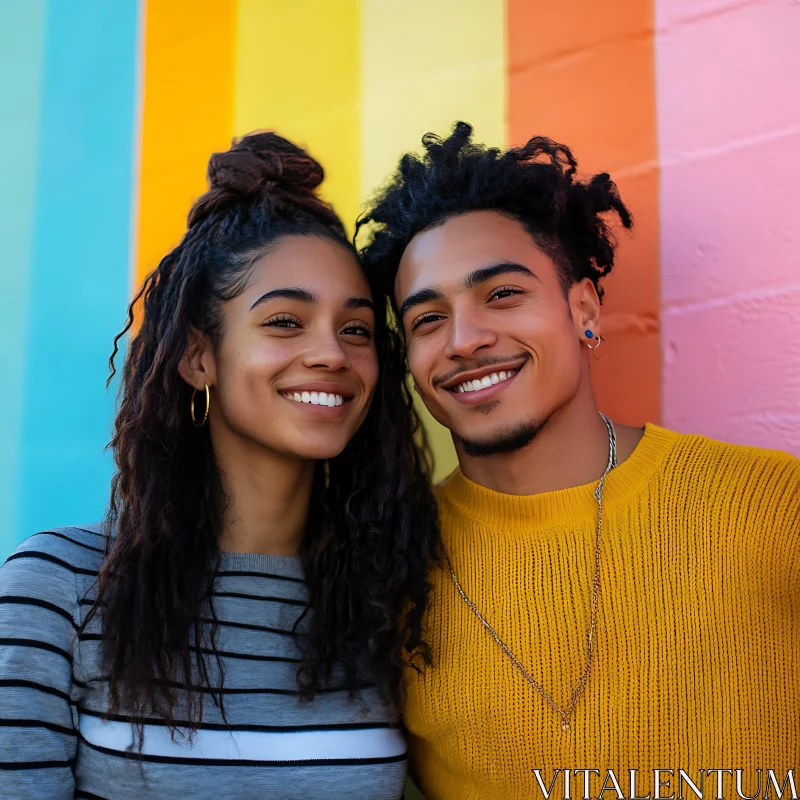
point(197, 366)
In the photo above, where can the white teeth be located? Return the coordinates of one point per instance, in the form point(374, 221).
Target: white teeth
point(485, 382)
point(316, 398)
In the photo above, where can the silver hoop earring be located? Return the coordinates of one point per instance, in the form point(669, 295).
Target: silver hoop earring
point(598, 341)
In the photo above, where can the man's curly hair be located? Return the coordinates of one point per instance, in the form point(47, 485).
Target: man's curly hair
point(534, 184)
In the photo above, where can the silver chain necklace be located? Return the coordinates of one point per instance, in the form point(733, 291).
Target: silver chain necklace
point(564, 713)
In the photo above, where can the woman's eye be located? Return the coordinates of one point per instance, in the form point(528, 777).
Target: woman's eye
point(357, 329)
point(431, 316)
point(282, 321)
point(504, 291)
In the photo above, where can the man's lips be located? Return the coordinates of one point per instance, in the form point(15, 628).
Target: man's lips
point(482, 385)
point(486, 393)
point(483, 372)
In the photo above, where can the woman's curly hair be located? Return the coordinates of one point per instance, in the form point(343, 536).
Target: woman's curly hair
point(372, 527)
point(534, 184)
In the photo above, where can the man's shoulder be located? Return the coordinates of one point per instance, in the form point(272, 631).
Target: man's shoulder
point(736, 476)
point(693, 452)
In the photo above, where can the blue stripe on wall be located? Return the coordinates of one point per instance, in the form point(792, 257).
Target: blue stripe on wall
point(21, 61)
point(79, 274)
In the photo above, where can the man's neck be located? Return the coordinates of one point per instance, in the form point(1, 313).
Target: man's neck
point(570, 449)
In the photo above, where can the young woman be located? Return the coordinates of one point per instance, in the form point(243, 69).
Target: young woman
point(270, 519)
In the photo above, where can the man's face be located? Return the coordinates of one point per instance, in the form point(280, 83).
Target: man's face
point(493, 344)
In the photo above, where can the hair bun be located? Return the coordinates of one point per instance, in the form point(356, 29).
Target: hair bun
point(262, 162)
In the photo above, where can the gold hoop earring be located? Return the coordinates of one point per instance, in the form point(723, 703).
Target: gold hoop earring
point(598, 341)
point(191, 408)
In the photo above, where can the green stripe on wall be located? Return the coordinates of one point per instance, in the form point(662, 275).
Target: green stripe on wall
point(22, 28)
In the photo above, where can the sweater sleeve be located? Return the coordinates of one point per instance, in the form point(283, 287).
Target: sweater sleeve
point(38, 734)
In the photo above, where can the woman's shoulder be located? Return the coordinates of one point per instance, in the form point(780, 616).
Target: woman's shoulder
point(57, 557)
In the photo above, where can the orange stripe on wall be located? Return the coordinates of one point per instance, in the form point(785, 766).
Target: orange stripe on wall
point(583, 73)
point(187, 114)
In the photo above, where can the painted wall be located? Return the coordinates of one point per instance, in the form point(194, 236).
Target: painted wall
point(729, 135)
point(68, 81)
point(109, 112)
point(583, 73)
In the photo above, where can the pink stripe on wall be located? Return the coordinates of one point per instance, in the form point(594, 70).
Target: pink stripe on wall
point(729, 135)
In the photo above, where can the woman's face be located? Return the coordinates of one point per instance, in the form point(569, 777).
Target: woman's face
point(295, 368)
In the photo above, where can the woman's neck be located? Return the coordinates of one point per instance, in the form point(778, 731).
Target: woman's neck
point(267, 499)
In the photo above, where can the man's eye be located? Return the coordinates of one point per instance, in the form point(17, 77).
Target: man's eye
point(504, 291)
point(429, 317)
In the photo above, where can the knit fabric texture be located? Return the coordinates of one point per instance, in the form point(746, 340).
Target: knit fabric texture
point(697, 665)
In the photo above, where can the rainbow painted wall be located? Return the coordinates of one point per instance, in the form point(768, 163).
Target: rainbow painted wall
point(109, 111)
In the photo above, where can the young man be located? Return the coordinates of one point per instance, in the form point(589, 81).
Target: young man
point(615, 605)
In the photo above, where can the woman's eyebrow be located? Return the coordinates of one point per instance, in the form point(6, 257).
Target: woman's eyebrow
point(359, 302)
point(289, 293)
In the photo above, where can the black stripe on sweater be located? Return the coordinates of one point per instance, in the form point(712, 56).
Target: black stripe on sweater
point(20, 600)
point(228, 690)
point(11, 765)
point(36, 554)
point(12, 683)
point(37, 723)
point(35, 643)
point(213, 726)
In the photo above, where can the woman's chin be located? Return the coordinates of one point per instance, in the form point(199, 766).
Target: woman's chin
point(314, 449)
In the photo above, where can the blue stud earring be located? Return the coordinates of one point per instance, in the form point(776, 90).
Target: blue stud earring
point(589, 334)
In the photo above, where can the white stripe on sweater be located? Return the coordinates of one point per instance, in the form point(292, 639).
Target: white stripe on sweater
point(247, 745)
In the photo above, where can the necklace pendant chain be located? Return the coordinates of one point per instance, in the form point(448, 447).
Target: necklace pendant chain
point(564, 713)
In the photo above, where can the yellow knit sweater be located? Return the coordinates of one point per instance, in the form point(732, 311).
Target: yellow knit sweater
point(698, 641)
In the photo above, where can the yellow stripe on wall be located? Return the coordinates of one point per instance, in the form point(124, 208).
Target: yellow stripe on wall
point(297, 72)
point(425, 66)
point(186, 115)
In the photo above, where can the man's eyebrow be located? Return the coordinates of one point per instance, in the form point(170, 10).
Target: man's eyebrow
point(289, 293)
point(419, 297)
point(359, 302)
point(487, 273)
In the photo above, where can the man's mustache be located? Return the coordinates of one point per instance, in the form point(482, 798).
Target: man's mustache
point(488, 361)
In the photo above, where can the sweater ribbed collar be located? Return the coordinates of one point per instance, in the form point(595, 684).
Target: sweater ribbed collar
point(509, 512)
point(283, 566)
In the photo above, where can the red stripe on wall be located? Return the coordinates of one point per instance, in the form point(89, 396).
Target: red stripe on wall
point(583, 73)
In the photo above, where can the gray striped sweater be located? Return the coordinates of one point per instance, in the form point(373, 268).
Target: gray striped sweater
point(57, 741)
